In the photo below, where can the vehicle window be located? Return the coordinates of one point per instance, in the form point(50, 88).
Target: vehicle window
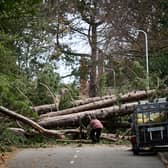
point(164, 116)
point(142, 118)
point(152, 117)
point(155, 117)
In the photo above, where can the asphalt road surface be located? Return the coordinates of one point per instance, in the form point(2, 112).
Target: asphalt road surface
point(95, 156)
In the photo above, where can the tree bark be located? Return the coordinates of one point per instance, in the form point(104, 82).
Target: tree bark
point(132, 96)
point(91, 100)
point(19, 131)
point(110, 137)
point(93, 74)
point(100, 64)
point(29, 122)
point(71, 120)
point(42, 109)
point(83, 77)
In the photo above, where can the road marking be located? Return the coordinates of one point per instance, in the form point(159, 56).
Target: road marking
point(72, 162)
point(75, 156)
point(78, 150)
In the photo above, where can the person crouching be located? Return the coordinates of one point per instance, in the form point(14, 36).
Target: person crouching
point(96, 127)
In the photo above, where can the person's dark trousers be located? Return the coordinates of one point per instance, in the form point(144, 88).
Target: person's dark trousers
point(98, 133)
point(95, 135)
point(92, 135)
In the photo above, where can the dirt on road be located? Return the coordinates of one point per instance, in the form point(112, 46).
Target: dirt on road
point(4, 157)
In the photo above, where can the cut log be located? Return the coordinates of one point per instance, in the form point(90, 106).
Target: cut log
point(110, 137)
point(125, 133)
point(42, 109)
point(29, 122)
point(91, 100)
point(133, 96)
point(87, 141)
point(73, 119)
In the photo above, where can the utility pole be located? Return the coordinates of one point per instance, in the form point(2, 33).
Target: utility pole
point(147, 59)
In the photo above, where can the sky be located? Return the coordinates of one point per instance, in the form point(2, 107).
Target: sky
point(78, 46)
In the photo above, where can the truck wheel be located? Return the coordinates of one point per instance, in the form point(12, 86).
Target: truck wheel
point(135, 150)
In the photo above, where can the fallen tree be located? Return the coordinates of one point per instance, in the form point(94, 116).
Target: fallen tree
point(132, 96)
point(73, 132)
point(30, 122)
point(91, 100)
point(42, 109)
point(77, 132)
point(74, 119)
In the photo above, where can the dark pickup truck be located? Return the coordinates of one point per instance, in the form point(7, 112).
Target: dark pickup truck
point(150, 125)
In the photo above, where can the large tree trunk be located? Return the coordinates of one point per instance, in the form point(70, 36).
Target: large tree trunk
point(93, 74)
point(92, 99)
point(70, 120)
point(100, 64)
point(29, 122)
point(133, 96)
point(100, 88)
point(83, 77)
point(42, 109)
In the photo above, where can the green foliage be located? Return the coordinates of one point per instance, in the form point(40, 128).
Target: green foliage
point(138, 68)
point(11, 97)
point(159, 64)
point(158, 70)
point(7, 58)
point(138, 80)
point(16, 9)
point(45, 86)
point(9, 138)
point(69, 93)
point(28, 56)
point(164, 17)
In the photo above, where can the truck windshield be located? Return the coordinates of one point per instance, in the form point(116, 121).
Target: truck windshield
point(152, 117)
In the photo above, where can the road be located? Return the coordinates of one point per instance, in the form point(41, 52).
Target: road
point(95, 156)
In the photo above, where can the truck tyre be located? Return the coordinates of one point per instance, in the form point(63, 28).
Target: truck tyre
point(135, 150)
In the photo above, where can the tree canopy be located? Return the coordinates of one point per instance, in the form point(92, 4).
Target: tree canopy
point(96, 39)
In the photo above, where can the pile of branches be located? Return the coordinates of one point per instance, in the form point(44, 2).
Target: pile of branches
point(101, 107)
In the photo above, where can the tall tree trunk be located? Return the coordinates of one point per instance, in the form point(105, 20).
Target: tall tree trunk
point(100, 64)
point(100, 78)
point(83, 77)
point(93, 74)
